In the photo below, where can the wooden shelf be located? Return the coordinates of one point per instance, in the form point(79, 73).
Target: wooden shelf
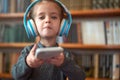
point(5, 75)
point(93, 46)
point(91, 49)
point(64, 45)
point(9, 76)
point(74, 47)
point(96, 13)
point(12, 47)
point(8, 17)
point(79, 13)
point(97, 79)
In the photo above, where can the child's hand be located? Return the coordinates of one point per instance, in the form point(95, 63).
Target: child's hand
point(31, 60)
point(57, 60)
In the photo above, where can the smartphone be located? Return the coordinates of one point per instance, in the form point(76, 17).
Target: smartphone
point(45, 53)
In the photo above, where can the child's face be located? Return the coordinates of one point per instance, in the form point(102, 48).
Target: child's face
point(47, 19)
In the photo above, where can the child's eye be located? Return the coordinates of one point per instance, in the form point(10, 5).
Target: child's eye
point(41, 17)
point(54, 17)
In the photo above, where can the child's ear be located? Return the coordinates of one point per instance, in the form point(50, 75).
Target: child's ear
point(31, 28)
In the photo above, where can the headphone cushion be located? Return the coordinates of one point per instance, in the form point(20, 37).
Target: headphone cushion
point(31, 28)
point(63, 27)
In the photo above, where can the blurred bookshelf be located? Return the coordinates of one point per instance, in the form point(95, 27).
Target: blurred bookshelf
point(108, 10)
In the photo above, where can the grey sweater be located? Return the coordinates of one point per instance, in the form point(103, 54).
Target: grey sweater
point(21, 71)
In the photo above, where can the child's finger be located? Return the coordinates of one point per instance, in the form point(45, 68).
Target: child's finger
point(34, 48)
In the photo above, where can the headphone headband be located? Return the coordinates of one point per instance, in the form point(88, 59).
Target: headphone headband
point(65, 24)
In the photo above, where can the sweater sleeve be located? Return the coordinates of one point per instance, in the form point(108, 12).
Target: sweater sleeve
point(71, 70)
point(21, 71)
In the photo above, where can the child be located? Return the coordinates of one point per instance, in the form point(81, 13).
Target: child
point(47, 16)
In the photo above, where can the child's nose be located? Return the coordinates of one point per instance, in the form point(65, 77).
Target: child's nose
point(47, 20)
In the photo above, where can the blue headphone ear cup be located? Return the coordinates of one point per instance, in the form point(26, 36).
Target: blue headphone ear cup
point(63, 27)
point(31, 28)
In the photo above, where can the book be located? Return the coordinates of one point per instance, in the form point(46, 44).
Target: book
point(66, 3)
point(6, 5)
point(93, 32)
point(118, 29)
point(22, 5)
point(1, 6)
point(109, 32)
point(116, 63)
point(96, 65)
point(79, 33)
point(76, 4)
point(14, 32)
point(86, 4)
point(13, 59)
point(72, 36)
point(112, 32)
point(105, 66)
point(13, 6)
point(7, 60)
point(2, 29)
point(115, 33)
point(1, 62)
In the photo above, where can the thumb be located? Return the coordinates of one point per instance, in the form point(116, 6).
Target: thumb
point(34, 49)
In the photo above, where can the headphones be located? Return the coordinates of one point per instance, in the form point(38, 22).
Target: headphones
point(30, 25)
